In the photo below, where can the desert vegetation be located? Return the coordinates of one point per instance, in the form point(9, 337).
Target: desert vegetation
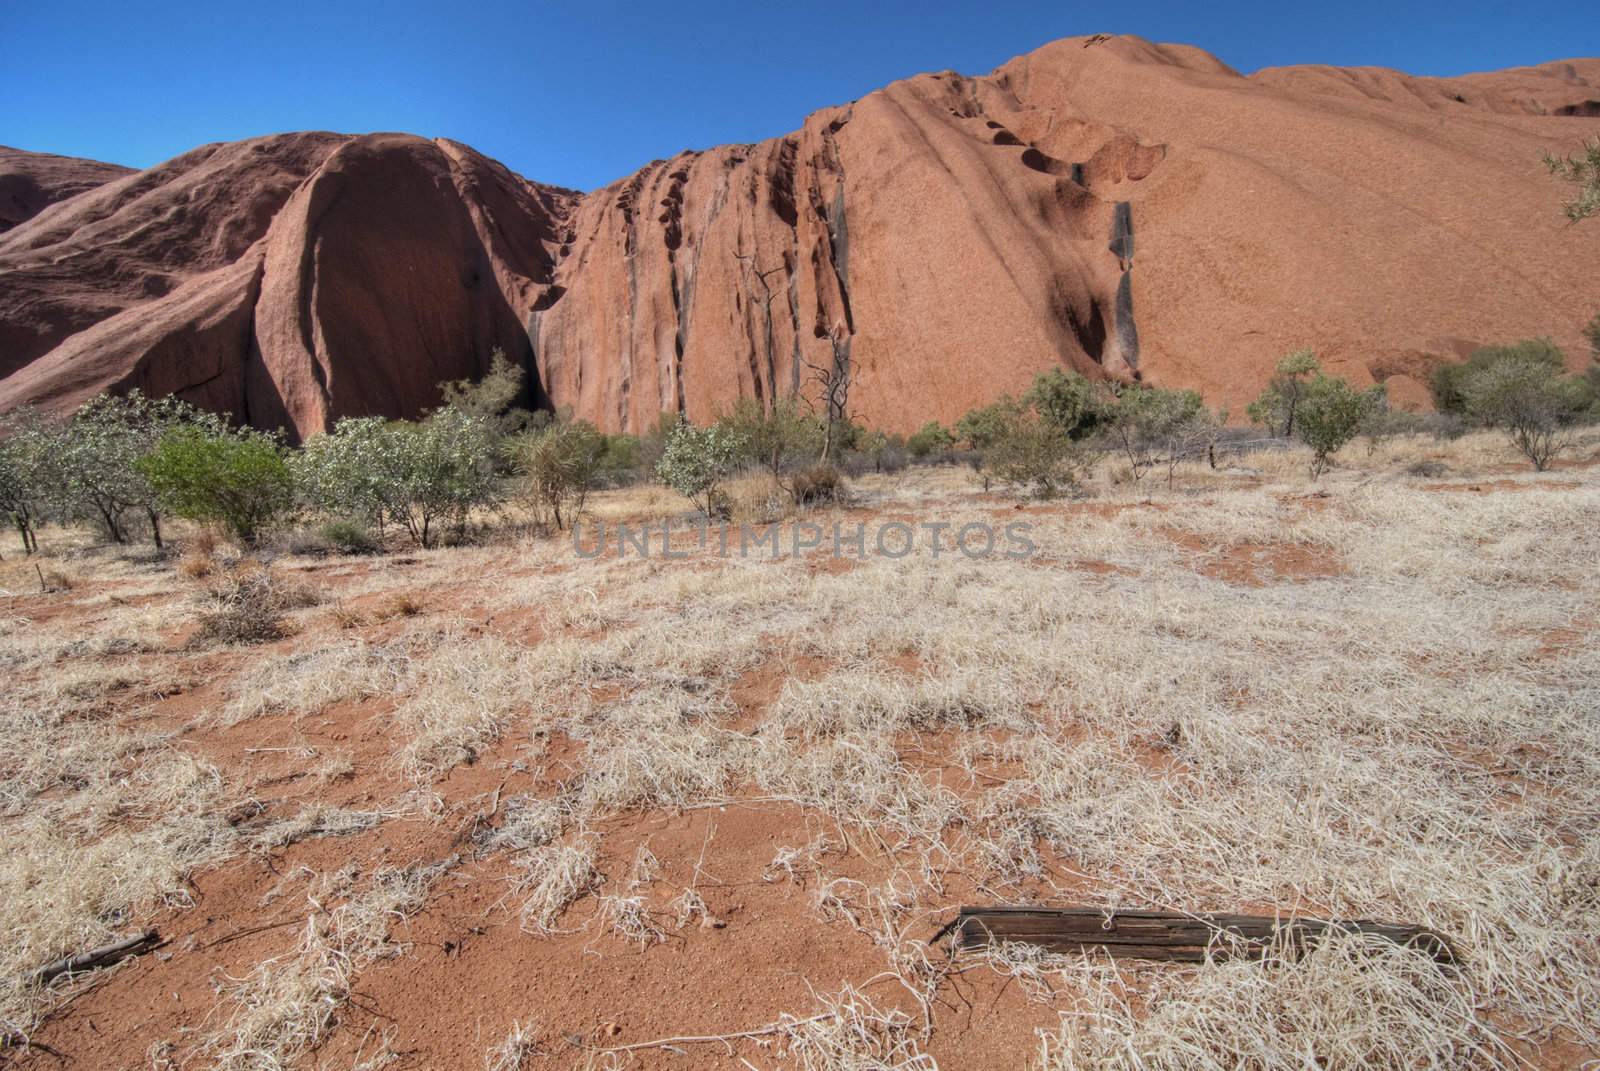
point(394, 774)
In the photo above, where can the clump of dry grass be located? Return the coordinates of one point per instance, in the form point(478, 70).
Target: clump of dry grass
point(284, 1007)
point(249, 602)
point(854, 1034)
point(553, 878)
point(1351, 1002)
point(515, 1051)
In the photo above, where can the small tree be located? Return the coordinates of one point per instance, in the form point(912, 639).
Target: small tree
point(1278, 406)
point(1582, 169)
point(1068, 402)
point(932, 438)
point(1330, 413)
point(1530, 401)
point(558, 466)
point(29, 476)
point(780, 439)
point(493, 397)
point(1150, 425)
point(1592, 333)
point(98, 450)
point(1032, 452)
point(237, 478)
point(981, 429)
point(695, 461)
point(1448, 381)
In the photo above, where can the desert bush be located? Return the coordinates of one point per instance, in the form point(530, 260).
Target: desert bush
point(1278, 405)
point(876, 451)
point(930, 439)
point(1068, 402)
point(238, 478)
point(779, 438)
point(493, 398)
point(697, 460)
point(982, 428)
point(1447, 383)
point(28, 474)
point(96, 454)
point(558, 466)
point(1330, 412)
point(349, 537)
point(249, 602)
point(419, 474)
point(819, 485)
point(1153, 426)
point(1582, 169)
point(1033, 453)
point(1528, 398)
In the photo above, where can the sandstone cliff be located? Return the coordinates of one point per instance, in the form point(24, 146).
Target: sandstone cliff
point(1106, 204)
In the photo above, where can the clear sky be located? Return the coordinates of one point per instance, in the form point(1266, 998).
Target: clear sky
point(583, 92)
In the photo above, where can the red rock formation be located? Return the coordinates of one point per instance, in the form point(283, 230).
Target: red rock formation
point(30, 182)
point(1106, 204)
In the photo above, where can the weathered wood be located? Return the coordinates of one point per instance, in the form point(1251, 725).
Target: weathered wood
point(1168, 935)
point(104, 956)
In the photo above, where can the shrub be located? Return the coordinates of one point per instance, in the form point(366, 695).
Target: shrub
point(96, 454)
point(819, 485)
point(1068, 402)
point(418, 474)
point(28, 474)
point(1530, 400)
point(236, 478)
point(1330, 413)
point(558, 466)
point(1278, 405)
point(1582, 169)
point(982, 428)
point(250, 603)
point(932, 438)
point(1447, 382)
point(1034, 453)
point(1151, 426)
point(1592, 333)
point(778, 438)
point(696, 460)
point(349, 537)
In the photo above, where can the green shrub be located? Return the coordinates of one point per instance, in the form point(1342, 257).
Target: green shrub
point(349, 537)
point(1153, 426)
point(1278, 405)
point(930, 439)
point(1068, 402)
point(558, 467)
point(779, 439)
point(1529, 399)
point(1330, 412)
point(1034, 454)
point(417, 474)
point(236, 478)
point(1447, 382)
point(29, 476)
point(982, 428)
point(695, 461)
point(1582, 169)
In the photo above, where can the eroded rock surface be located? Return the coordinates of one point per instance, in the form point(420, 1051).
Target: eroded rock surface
point(943, 239)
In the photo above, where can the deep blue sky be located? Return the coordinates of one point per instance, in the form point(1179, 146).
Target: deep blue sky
point(581, 93)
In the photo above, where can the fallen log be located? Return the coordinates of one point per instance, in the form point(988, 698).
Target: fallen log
point(1169, 935)
point(104, 956)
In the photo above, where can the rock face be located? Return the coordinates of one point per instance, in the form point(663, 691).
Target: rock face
point(1105, 204)
point(30, 182)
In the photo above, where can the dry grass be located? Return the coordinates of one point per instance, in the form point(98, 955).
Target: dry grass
point(283, 1009)
point(1407, 733)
